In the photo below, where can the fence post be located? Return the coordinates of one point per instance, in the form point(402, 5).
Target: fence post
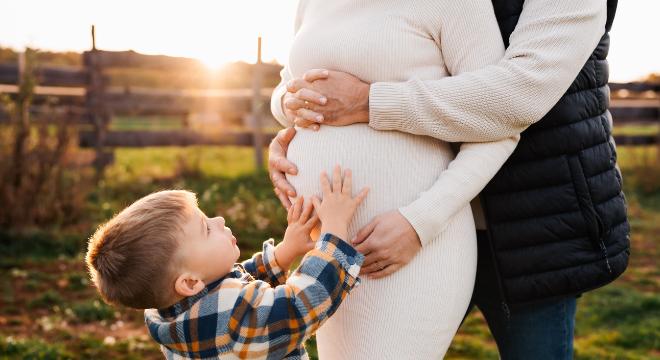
point(94, 102)
point(22, 114)
point(657, 135)
point(257, 102)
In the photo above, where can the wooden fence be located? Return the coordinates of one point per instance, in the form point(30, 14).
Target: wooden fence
point(83, 95)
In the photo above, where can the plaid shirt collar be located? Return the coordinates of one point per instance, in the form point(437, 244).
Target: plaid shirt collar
point(237, 272)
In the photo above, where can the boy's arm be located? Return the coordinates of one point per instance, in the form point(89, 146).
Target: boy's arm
point(276, 321)
point(263, 265)
point(272, 264)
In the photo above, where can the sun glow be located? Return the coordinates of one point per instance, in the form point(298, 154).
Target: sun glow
point(214, 31)
point(220, 31)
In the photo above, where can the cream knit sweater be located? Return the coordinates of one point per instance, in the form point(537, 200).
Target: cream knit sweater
point(550, 44)
point(423, 40)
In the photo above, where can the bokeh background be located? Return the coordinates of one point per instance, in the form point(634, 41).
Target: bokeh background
point(175, 95)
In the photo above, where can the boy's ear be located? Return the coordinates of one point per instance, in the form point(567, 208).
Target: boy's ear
point(188, 284)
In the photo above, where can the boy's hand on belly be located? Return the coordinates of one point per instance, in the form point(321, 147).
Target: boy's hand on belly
point(297, 239)
point(388, 242)
point(338, 206)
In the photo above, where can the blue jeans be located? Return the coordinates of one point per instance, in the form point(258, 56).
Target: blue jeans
point(542, 330)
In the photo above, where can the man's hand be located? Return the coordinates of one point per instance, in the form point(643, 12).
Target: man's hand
point(329, 98)
point(279, 165)
point(388, 242)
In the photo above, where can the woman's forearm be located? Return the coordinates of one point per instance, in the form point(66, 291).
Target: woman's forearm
point(276, 106)
point(471, 170)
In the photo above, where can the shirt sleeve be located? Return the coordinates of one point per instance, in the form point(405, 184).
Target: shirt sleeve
point(550, 44)
point(263, 265)
point(285, 75)
point(276, 321)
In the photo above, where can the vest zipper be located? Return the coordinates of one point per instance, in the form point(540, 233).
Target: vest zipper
point(500, 287)
point(503, 304)
point(601, 242)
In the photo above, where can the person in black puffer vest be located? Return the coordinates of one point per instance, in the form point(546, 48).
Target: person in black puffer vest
point(566, 161)
point(555, 213)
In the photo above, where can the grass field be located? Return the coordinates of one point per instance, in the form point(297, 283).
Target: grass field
point(49, 311)
point(155, 123)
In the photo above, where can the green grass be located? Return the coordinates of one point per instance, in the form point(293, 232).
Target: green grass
point(38, 243)
point(144, 164)
point(224, 179)
point(152, 123)
point(92, 310)
point(620, 318)
point(647, 129)
point(11, 348)
point(46, 300)
point(77, 281)
point(48, 310)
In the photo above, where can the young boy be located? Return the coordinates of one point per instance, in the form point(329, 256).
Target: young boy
point(163, 254)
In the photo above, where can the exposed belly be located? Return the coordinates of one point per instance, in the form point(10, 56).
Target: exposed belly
point(396, 167)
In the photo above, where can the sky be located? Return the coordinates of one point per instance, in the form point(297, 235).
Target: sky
point(219, 31)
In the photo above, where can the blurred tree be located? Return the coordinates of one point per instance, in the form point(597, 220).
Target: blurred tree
point(8, 55)
point(653, 78)
point(36, 187)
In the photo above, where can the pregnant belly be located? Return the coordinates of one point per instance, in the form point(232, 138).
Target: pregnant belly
point(397, 167)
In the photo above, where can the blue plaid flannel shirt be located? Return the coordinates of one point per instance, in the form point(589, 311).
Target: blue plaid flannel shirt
point(255, 311)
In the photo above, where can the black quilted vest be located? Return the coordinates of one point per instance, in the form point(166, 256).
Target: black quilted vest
point(555, 211)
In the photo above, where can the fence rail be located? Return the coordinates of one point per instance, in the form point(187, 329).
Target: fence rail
point(46, 76)
point(82, 95)
point(169, 138)
point(635, 111)
point(636, 87)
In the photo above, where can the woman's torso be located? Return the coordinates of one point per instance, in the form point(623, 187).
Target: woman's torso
point(396, 167)
point(367, 39)
point(375, 40)
point(384, 40)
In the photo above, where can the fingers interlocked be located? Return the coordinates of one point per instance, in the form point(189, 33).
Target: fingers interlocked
point(306, 103)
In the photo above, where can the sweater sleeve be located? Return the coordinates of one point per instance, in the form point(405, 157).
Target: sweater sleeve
point(550, 44)
point(475, 165)
point(285, 75)
point(276, 98)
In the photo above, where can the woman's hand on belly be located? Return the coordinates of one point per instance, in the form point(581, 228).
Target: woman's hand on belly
point(346, 99)
point(388, 242)
point(279, 165)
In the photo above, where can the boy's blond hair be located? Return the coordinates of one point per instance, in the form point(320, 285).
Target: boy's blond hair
point(131, 258)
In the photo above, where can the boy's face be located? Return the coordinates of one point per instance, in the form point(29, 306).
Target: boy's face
point(208, 247)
